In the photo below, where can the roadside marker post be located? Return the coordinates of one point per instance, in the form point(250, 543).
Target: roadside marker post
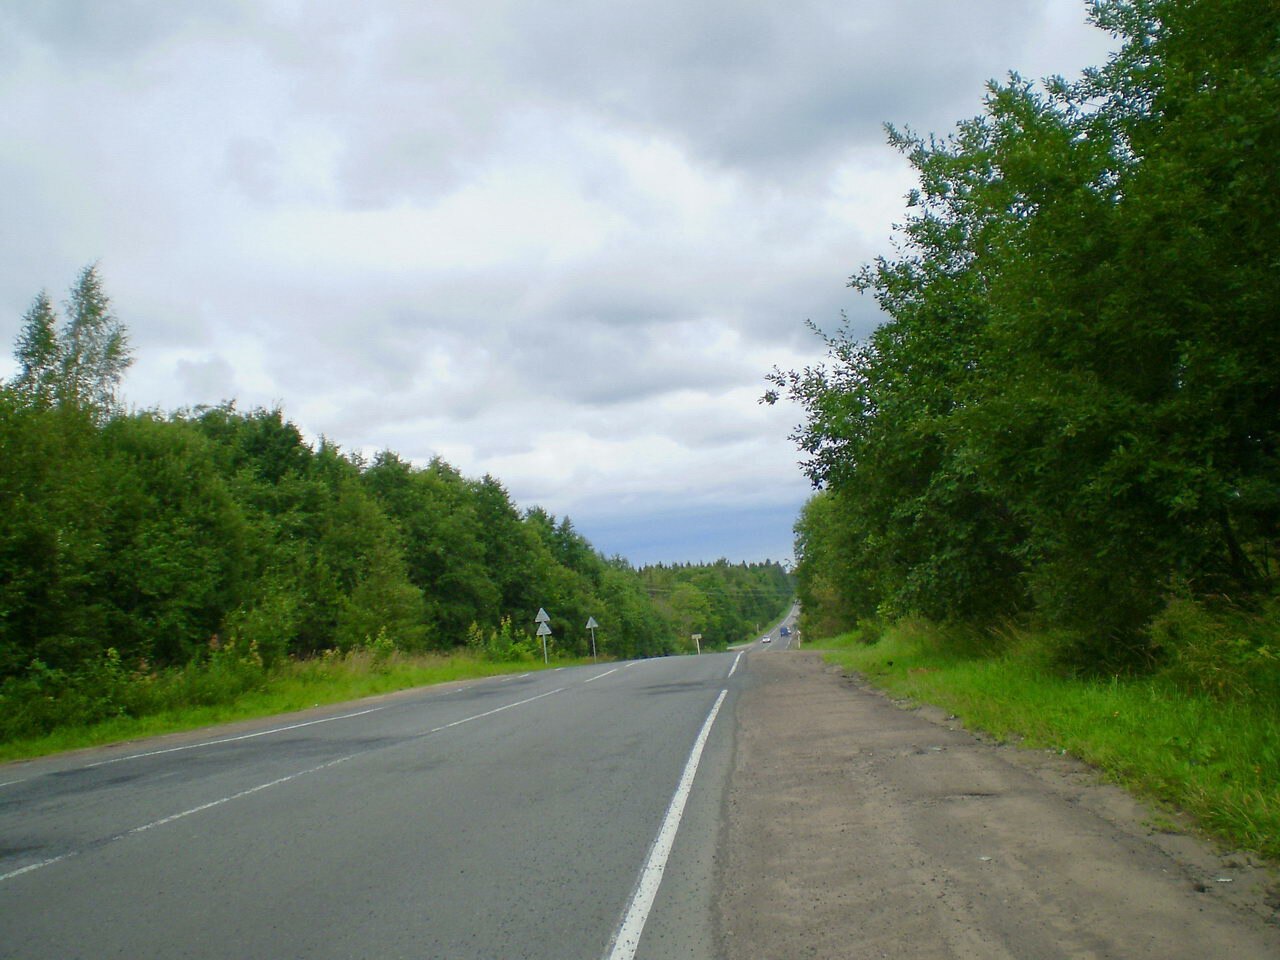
point(591, 625)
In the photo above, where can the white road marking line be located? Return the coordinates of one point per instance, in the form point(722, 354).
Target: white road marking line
point(262, 786)
point(177, 816)
point(599, 675)
point(735, 664)
point(10, 783)
point(33, 866)
point(247, 736)
point(235, 796)
point(489, 713)
point(627, 939)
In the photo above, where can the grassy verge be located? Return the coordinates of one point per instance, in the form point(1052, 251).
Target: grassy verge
point(291, 686)
point(1217, 759)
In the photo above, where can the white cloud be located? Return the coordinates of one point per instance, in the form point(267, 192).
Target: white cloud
point(562, 244)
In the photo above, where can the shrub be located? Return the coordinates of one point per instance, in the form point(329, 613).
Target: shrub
point(1229, 655)
point(503, 645)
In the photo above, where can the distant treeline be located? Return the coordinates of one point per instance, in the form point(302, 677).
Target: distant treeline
point(1072, 415)
point(146, 540)
point(723, 602)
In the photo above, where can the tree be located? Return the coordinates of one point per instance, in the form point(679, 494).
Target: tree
point(81, 365)
point(692, 610)
point(1075, 398)
point(37, 352)
point(440, 535)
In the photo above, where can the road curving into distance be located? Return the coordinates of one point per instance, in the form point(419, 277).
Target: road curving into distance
point(736, 805)
point(560, 814)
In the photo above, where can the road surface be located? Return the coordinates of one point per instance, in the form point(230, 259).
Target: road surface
point(503, 818)
point(737, 806)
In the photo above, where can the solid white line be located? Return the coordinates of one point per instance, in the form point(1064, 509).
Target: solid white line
point(627, 939)
point(735, 664)
point(10, 783)
point(588, 680)
point(247, 736)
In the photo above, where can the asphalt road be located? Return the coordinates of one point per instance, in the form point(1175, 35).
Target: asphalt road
point(516, 817)
point(774, 639)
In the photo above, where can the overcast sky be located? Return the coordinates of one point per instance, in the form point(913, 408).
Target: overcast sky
point(558, 242)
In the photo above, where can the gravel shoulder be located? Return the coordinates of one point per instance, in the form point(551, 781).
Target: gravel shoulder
point(856, 826)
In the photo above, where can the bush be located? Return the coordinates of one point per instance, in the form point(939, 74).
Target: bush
point(503, 645)
point(1229, 655)
point(45, 697)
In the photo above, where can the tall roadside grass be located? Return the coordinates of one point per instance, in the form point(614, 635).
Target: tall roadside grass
point(1209, 748)
point(112, 704)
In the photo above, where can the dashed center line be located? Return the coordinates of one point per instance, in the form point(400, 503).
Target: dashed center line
point(247, 736)
point(162, 821)
point(489, 713)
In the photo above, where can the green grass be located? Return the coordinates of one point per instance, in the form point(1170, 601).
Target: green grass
point(1217, 759)
point(291, 686)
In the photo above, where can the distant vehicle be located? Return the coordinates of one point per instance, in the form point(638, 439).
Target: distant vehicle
point(766, 639)
point(785, 631)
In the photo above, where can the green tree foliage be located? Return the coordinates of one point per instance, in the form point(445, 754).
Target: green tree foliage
point(175, 540)
point(1075, 398)
point(218, 541)
point(83, 363)
point(724, 602)
point(439, 531)
point(53, 553)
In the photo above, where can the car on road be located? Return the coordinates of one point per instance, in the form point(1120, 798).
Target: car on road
point(766, 639)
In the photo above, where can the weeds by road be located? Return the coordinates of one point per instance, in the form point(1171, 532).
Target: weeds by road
point(1216, 758)
point(242, 690)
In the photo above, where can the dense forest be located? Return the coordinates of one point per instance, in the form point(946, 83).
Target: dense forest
point(132, 542)
point(722, 602)
point(1071, 415)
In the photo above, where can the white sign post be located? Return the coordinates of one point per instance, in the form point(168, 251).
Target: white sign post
point(591, 625)
point(544, 631)
point(697, 639)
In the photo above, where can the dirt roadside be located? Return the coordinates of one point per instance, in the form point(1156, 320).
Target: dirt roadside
point(855, 828)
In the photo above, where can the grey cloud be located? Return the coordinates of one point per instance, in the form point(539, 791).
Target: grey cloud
point(695, 147)
point(251, 165)
point(770, 86)
point(103, 33)
point(594, 365)
point(210, 380)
